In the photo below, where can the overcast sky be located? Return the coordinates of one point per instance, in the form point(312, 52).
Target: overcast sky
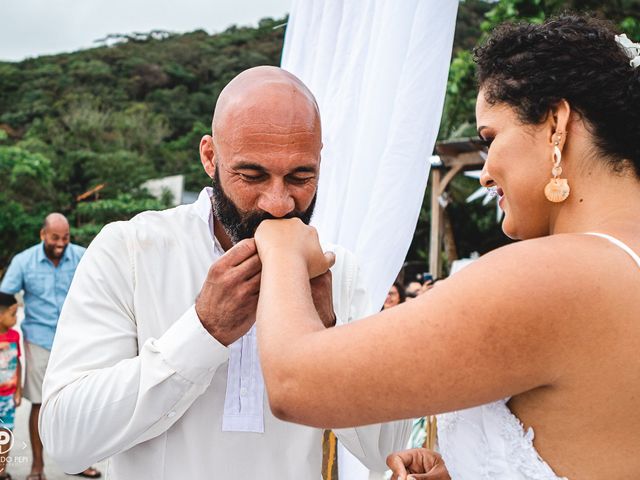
point(29, 28)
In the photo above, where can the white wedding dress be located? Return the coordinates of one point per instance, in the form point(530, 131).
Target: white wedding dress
point(490, 443)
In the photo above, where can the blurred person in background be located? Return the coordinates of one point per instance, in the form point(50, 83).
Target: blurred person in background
point(395, 296)
point(412, 290)
point(44, 272)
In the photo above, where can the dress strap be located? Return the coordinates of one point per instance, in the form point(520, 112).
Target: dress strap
point(618, 243)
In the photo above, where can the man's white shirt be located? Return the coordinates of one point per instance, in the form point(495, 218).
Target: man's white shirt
point(135, 377)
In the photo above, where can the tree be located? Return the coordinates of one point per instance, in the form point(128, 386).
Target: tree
point(26, 195)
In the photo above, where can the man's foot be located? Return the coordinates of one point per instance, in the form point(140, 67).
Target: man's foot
point(36, 476)
point(89, 473)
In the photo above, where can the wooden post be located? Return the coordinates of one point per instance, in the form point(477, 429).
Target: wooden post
point(329, 456)
point(431, 430)
point(439, 185)
point(434, 241)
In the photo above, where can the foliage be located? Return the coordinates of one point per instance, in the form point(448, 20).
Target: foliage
point(25, 194)
point(132, 109)
point(458, 120)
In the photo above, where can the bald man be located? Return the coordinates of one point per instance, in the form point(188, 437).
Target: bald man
point(156, 362)
point(44, 273)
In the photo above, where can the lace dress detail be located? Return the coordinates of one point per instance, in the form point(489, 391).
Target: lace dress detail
point(489, 443)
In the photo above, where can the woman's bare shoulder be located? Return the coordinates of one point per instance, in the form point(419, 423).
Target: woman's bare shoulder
point(560, 259)
point(544, 280)
point(565, 256)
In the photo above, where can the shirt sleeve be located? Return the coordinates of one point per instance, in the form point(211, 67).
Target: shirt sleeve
point(13, 282)
point(102, 393)
point(372, 443)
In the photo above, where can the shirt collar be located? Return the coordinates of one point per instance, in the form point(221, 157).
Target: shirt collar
point(203, 205)
point(203, 210)
point(66, 255)
point(42, 256)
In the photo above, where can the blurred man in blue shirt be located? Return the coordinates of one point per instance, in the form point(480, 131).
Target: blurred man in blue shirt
point(44, 272)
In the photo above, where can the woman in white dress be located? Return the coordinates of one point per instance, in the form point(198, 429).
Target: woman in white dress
point(541, 336)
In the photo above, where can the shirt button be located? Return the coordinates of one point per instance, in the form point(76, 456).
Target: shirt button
point(243, 392)
point(171, 414)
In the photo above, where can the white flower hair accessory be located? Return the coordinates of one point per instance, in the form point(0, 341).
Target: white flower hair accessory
point(631, 49)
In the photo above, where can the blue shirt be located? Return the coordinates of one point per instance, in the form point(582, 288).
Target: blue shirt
point(45, 288)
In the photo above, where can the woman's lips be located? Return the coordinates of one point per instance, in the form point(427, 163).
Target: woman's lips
point(500, 193)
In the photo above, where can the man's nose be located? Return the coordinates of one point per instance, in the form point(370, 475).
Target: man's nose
point(276, 202)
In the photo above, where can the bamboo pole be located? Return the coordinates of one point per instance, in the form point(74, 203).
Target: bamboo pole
point(434, 241)
point(329, 456)
point(431, 429)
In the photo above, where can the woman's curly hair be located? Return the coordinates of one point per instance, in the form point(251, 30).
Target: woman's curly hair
point(572, 57)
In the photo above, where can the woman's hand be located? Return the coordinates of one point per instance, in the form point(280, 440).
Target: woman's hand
point(291, 237)
point(418, 464)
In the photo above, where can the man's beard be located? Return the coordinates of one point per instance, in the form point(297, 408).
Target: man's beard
point(50, 251)
point(238, 225)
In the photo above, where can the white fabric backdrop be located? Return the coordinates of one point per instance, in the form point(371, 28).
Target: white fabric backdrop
point(378, 69)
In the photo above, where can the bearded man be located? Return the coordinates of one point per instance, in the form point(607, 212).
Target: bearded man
point(155, 364)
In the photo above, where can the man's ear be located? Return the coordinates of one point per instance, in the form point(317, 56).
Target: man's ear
point(207, 155)
point(42, 234)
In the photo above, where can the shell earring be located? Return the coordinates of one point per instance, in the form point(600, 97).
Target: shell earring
point(557, 190)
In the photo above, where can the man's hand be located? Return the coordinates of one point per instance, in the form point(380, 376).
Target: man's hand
point(418, 464)
point(228, 299)
point(323, 298)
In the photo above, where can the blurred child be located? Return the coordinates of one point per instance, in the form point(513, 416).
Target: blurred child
point(10, 376)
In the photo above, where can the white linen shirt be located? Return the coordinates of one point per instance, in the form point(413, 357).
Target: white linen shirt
point(134, 376)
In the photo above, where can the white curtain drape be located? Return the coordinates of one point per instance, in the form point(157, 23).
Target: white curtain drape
point(378, 69)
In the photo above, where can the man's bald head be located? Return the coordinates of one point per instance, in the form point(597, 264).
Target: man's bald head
point(265, 95)
point(55, 220)
point(264, 155)
point(55, 235)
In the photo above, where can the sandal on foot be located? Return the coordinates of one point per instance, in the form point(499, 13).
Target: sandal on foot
point(89, 473)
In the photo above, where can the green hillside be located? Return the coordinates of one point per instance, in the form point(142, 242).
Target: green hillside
point(114, 115)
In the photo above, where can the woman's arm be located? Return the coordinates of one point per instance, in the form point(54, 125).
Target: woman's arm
point(495, 329)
